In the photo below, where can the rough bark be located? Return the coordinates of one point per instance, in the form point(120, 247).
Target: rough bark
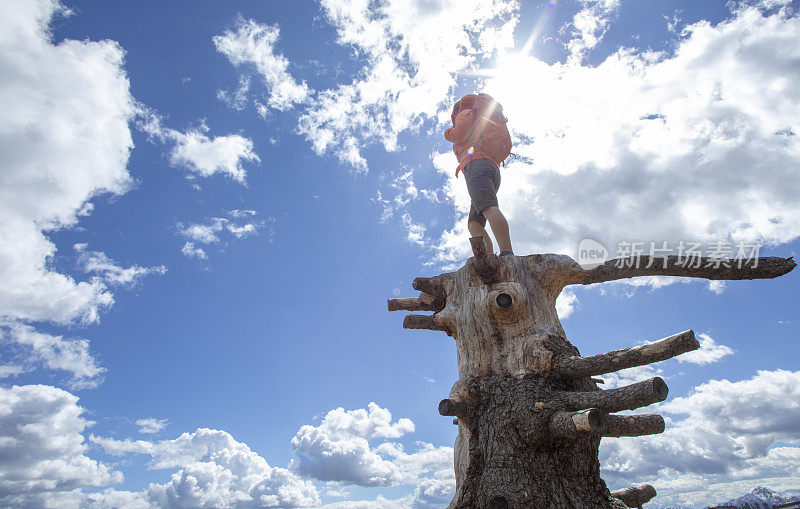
point(514, 457)
point(529, 415)
point(636, 496)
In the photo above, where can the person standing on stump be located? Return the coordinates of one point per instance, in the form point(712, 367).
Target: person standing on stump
point(481, 143)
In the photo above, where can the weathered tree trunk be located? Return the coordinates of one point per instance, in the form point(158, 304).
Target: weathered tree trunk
point(530, 416)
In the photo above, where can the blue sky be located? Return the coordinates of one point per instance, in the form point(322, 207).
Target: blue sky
point(205, 205)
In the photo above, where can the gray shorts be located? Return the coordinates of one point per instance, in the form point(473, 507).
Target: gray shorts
point(483, 181)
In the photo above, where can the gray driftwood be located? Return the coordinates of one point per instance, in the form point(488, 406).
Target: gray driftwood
point(529, 415)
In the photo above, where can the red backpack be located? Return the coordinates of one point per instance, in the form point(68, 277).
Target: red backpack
point(490, 132)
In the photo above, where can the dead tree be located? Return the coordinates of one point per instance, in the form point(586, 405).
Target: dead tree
point(530, 416)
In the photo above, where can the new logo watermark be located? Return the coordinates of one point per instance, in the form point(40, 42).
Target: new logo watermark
point(591, 254)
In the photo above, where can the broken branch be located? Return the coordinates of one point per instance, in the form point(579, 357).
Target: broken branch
point(578, 367)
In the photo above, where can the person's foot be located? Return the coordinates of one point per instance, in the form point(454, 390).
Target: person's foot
point(504, 253)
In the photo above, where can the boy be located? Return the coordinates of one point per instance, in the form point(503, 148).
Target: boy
point(480, 171)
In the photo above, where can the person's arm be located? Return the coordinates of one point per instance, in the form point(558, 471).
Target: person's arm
point(459, 132)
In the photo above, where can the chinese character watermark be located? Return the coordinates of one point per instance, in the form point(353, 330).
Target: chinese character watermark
point(717, 254)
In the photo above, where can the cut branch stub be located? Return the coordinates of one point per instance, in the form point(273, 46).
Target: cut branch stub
point(409, 304)
point(568, 424)
point(430, 322)
point(454, 408)
point(633, 425)
point(485, 262)
point(432, 291)
point(629, 397)
point(579, 367)
point(636, 496)
point(428, 285)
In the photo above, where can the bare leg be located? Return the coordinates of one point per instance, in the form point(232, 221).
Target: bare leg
point(476, 230)
point(499, 227)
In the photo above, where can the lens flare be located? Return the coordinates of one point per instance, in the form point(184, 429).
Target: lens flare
point(552, 3)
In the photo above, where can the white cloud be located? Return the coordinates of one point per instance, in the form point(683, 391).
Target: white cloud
point(198, 153)
point(709, 352)
point(433, 493)
point(380, 502)
point(339, 450)
point(590, 24)
point(189, 249)
point(629, 376)
point(716, 287)
point(428, 494)
point(415, 232)
point(151, 425)
point(638, 135)
point(405, 192)
point(412, 54)
point(194, 151)
point(42, 449)
point(212, 230)
point(566, 303)
point(734, 434)
point(64, 114)
point(252, 44)
point(214, 470)
point(98, 263)
point(52, 352)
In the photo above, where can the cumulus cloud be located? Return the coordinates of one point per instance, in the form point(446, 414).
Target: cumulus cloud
point(566, 303)
point(214, 470)
point(339, 449)
point(42, 449)
point(694, 144)
point(196, 152)
point(151, 425)
point(35, 349)
point(98, 263)
point(629, 376)
point(251, 45)
point(412, 53)
point(433, 493)
point(64, 114)
point(733, 433)
point(709, 352)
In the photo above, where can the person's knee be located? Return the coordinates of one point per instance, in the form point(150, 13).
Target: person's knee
point(474, 227)
point(491, 210)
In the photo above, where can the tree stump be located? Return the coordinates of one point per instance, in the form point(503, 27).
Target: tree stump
point(529, 415)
